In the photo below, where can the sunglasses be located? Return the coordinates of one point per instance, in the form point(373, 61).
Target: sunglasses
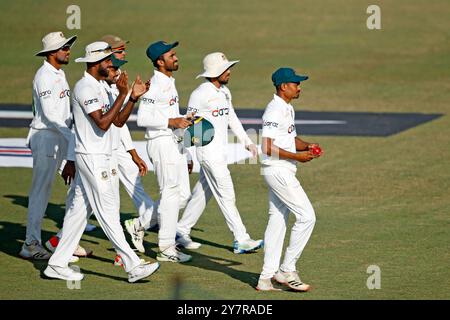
point(65, 47)
point(105, 50)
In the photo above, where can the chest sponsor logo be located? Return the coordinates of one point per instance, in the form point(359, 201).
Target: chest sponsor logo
point(147, 100)
point(173, 101)
point(64, 93)
point(45, 93)
point(90, 101)
point(291, 128)
point(220, 112)
point(270, 124)
point(192, 109)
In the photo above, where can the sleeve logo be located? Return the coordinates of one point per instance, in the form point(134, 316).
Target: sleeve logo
point(44, 93)
point(270, 124)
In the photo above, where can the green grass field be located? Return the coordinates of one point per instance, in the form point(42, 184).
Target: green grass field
point(378, 201)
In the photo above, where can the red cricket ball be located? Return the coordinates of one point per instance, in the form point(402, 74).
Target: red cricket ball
point(316, 150)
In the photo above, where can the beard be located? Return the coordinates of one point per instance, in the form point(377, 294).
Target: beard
point(104, 72)
point(64, 60)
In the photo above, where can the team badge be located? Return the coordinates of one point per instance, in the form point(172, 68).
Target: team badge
point(113, 172)
point(104, 175)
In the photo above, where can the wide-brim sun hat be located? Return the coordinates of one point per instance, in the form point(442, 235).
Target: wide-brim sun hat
point(55, 41)
point(96, 51)
point(214, 64)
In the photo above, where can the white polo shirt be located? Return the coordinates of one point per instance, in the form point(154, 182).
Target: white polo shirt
point(51, 104)
point(279, 125)
point(88, 96)
point(215, 105)
point(157, 105)
point(112, 92)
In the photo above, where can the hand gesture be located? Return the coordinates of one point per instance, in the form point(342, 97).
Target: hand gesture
point(139, 88)
point(122, 83)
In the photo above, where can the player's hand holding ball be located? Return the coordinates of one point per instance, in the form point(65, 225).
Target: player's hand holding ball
point(315, 149)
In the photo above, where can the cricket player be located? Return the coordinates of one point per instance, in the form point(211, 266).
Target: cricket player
point(131, 167)
point(50, 137)
point(212, 100)
point(159, 113)
point(96, 184)
point(282, 149)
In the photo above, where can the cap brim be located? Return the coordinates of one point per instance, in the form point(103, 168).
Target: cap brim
point(218, 72)
point(57, 46)
point(94, 59)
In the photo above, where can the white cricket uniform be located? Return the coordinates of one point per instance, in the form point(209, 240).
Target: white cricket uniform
point(128, 170)
point(285, 193)
point(169, 158)
point(96, 184)
point(214, 104)
point(50, 139)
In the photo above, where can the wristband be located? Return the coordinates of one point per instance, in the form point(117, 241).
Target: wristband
point(133, 100)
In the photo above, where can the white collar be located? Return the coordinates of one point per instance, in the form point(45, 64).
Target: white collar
point(52, 68)
point(161, 76)
point(90, 78)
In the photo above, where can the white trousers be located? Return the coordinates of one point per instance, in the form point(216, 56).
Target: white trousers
point(95, 189)
point(130, 179)
point(48, 149)
point(215, 179)
point(173, 179)
point(285, 195)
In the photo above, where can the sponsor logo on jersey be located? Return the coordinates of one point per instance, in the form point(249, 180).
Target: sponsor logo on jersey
point(270, 124)
point(44, 93)
point(147, 100)
point(64, 93)
point(192, 109)
point(220, 112)
point(173, 101)
point(90, 101)
point(291, 128)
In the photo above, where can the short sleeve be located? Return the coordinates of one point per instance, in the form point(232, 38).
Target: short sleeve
point(272, 122)
point(88, 98)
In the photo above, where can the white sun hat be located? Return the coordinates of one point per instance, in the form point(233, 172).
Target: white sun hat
point(215, 64)
point(96, 51)
point(54, 41)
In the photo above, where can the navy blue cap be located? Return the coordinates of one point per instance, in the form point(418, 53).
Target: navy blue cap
point(117, 63)
point(286, 75)
point(156, 49)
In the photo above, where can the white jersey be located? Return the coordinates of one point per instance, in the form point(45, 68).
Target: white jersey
point(51, 104)
point(214, 104)
point(158, 105)
point(279, 125)
point(112, 92)
point(88, 96)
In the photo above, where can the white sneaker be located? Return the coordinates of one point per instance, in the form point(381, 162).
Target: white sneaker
point(136, 232)
point(185, 241)
point(266, 285)
point(82, 252)
point(63, 273)
point(292, 280)
point(247, 246)
point(142, 271)
point(34, 251)
point(173, 254)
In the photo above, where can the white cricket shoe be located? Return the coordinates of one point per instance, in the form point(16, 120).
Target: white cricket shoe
point(63, 273)
point(185, 241)
point(142, 271)
point(34, 251)
point(173, 254)
point(292, 280)
point(118, 262)
point(266, 285)
point(137, 233)
point(74, 259)
point(247, 246)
